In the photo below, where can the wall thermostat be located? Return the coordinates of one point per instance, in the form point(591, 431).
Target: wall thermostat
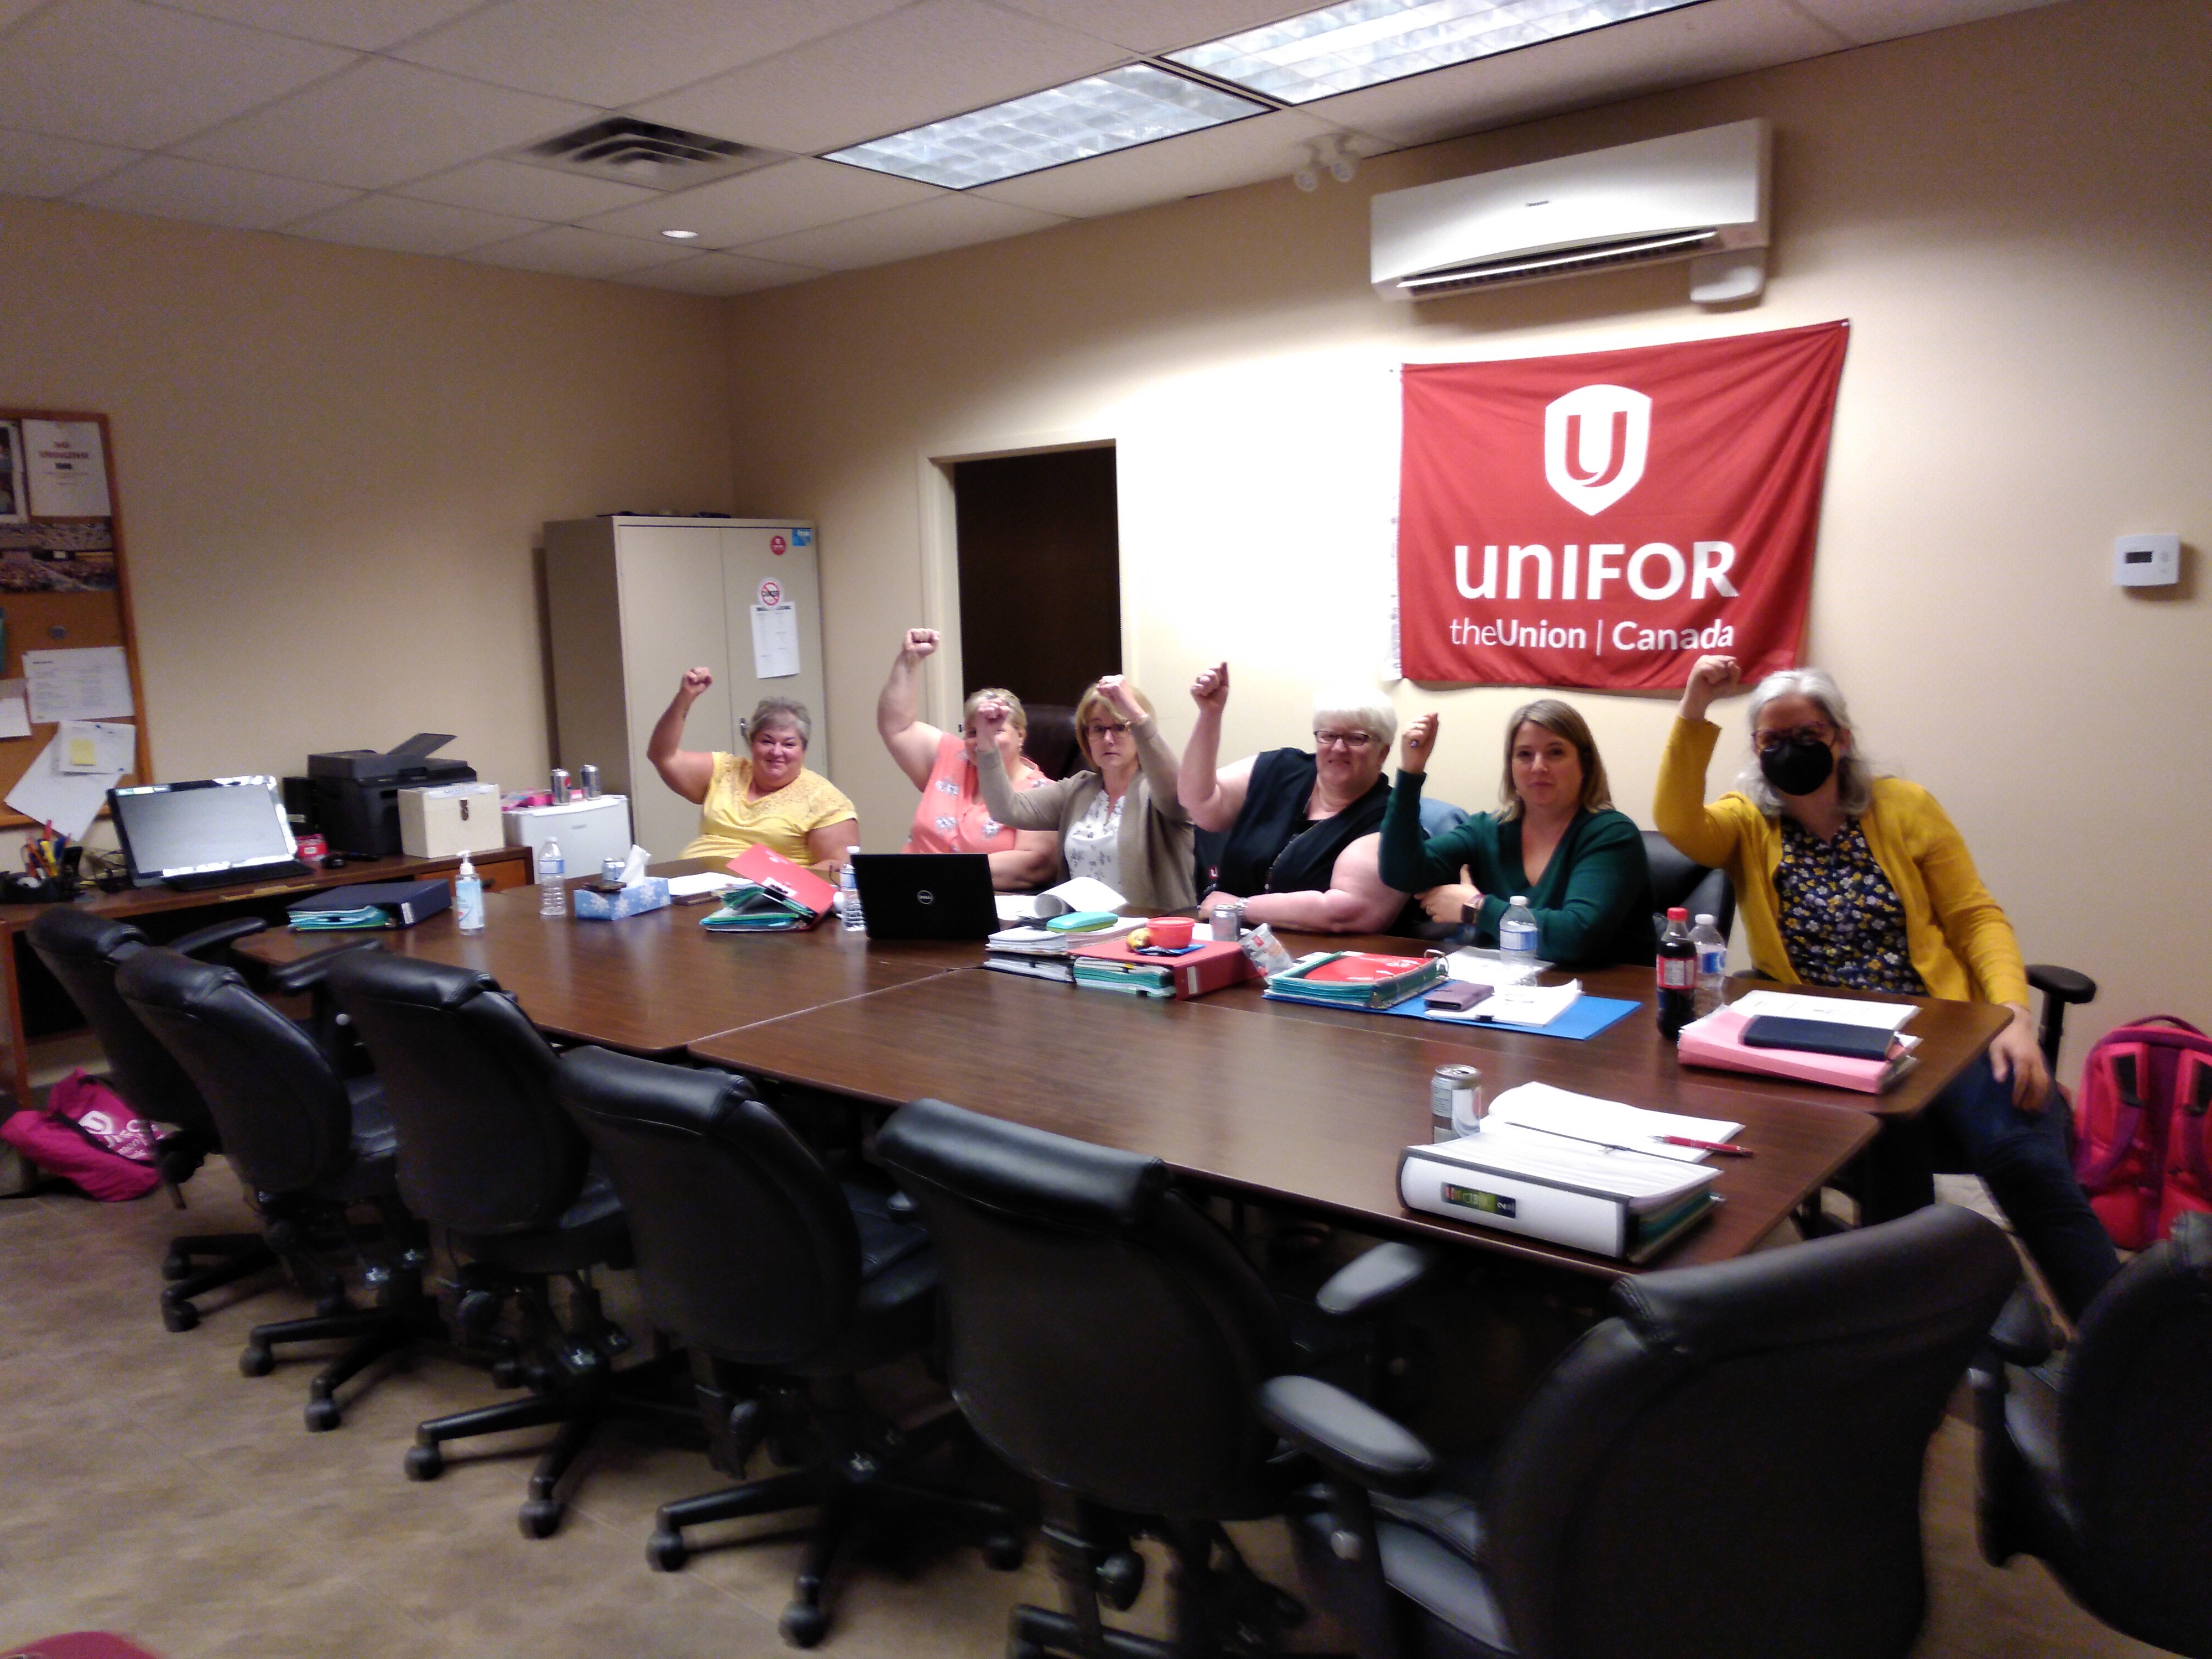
point(2146, 561)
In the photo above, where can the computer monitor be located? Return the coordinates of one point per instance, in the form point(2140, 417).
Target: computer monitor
point(202, 829)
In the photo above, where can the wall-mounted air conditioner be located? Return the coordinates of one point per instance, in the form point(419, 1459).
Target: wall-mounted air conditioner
point(1698, 195)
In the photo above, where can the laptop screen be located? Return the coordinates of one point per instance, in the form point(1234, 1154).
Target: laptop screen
point(216, 823)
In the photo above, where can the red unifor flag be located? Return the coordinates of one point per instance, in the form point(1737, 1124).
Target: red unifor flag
point(1604, 520)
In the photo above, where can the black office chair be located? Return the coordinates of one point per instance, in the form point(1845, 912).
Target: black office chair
point(1729, 1466)
point(1049, 742)
point(1676, 879)
point(2102, 1465)
point(83, 950)
point(486, 1153)
point(308, 1145)
point(1106, 1338)
point(783, 1286)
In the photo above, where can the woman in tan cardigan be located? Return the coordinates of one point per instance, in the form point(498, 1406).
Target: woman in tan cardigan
point(1119, 821)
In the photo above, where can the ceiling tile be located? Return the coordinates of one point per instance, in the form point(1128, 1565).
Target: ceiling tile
point(382, 123)
point(1219, 158)
point(120, 72)
point(718, 274)
point(1861, 22)
point(606, 54)
point(904, 233)
point(370, 25)
point(935, 58)
point(1157, 25)
point(532, 191)
point(567, 251)
point(775, 201)
point(172, 188)
point(1673, 49)
point(393, 222)
point(32, 165)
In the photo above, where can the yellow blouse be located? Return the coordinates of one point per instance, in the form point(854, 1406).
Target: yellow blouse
point(729, 824)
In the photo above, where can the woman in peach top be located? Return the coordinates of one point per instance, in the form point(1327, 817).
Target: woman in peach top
point(951, 817)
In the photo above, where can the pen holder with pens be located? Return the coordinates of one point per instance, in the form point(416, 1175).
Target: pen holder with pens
point(44, 889)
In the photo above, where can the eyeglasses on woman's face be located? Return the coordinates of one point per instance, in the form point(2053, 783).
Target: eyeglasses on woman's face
point(1098, 729)
point(1351, 742)
point(1812, 732)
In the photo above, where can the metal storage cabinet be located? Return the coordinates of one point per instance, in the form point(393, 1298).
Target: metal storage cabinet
point(633, 603)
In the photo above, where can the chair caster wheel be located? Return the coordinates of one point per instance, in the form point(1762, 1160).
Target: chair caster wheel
point(541, 1517)
point(179, 1316)
point(1121, 1579)
point(665, 1552)
point(506, 1374)
point(256, 1361)
point(424, 1464)
point(323, 1415)
point(1018, 1649)
point(1003, 1550)
point(331, 1306)
point(804, 1624)
point(176, 1266)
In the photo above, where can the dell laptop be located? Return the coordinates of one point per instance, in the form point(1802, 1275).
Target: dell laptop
point(927, 894)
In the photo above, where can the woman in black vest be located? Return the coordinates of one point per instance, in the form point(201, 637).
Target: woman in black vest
point(1302, 828)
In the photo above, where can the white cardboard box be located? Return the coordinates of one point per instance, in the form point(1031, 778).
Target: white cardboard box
point(449, 820)
point(589, 831)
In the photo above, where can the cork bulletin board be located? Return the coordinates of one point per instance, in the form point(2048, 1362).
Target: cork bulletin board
point(69, 661)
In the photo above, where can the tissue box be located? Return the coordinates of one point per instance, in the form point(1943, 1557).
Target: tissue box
point(591, 905)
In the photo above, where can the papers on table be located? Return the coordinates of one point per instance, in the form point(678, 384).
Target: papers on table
point(1835, 1011)
point(1043, 942)
point(1517, 1005)
point(1081, 893)
point(706, 883)
point(1489, 968)
point(1539, 1112)
point(92, 683)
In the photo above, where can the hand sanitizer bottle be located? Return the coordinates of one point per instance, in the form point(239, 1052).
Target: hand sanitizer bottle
point(468, 898)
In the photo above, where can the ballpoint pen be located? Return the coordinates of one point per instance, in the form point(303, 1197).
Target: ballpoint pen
point(1727, 1148)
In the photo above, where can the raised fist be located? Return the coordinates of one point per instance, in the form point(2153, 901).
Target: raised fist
point(990, 715)
point(1211, 688)
point(1115, 688)
point(696, 680)
point(1710, 677)
point(919, 641)
point(1417, 744)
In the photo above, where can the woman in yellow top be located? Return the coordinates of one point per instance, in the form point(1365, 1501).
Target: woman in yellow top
point(764, 797)
point(1843, 877)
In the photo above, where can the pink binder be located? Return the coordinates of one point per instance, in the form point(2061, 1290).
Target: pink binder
point(1717, 1042)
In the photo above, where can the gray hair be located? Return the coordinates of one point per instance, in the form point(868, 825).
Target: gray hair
point(1360, 707)
point(781, 711)
point(1854, 777)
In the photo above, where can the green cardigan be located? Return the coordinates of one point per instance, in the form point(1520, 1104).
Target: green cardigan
point(1592, 904)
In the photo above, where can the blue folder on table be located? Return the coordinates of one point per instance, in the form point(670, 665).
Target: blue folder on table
point(1586, 1016)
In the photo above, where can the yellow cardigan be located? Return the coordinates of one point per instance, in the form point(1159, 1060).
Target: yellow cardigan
point(1958, 937)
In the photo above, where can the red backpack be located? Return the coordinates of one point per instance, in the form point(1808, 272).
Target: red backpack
point(86, 1135)
point(2144, 1154)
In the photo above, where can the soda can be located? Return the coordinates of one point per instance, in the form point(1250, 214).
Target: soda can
point(1224, 923)
point(1456, 1105)
point(589, 777)
point(560, 785)
point(611, 872)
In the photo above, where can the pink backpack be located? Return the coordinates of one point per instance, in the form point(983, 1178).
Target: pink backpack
point(88, 1136)
point(2145, 1121)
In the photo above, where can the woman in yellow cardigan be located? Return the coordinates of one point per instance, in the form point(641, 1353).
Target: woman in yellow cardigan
point(1845, 878)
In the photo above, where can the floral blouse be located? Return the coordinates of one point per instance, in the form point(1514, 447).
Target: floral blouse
point(1842, 922)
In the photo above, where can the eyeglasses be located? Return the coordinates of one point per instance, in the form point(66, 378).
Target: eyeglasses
point(1767, 742)
point(1098, 729)
point(1354, 741)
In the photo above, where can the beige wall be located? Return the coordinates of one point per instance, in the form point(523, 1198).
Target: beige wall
point(333, 464)
point(2015, 217)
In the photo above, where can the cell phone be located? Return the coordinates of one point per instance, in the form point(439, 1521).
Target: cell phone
point(1455, 995)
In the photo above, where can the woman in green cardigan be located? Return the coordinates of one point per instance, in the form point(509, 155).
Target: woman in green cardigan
point(1555, 840)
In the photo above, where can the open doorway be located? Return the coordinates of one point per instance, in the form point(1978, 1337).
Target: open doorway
point(1039, 545)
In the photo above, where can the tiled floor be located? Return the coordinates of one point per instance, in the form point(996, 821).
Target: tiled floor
point(148, 1489)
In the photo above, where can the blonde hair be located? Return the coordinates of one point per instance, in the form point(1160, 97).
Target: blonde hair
point(1092, 700)
point(1016, 716)
point(1561, 719)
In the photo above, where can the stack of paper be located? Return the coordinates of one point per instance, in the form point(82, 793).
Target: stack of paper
point(1717, 1040)
point(1082, 893)
point(1042, 952)
point(1479, 967)
point(1538, 1109)
point(1517, 1005)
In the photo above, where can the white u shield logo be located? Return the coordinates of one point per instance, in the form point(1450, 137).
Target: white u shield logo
point(1584, 460)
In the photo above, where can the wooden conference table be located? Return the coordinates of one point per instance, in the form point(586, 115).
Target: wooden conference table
point(1297, 1106)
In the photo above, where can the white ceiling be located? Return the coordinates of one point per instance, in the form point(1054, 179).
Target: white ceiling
point(386, 122)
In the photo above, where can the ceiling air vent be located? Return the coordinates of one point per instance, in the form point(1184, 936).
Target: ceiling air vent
point(634, 152)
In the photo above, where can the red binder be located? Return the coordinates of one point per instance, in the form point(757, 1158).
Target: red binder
point(795, 882)
point(1214, 964)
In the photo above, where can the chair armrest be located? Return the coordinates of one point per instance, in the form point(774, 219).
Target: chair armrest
point(1346, 1436)
point(309, 972)
point(1371, 1282)
point(203, 941)
point(2024, 1334)
point(2062, 983)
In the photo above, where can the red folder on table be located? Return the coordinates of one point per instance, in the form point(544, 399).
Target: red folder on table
point(770, 869)
point(1717, 1040)
point(1214, 964)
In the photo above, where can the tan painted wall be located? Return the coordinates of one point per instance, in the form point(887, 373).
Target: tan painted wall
point(333, 464)
point(2016, 216)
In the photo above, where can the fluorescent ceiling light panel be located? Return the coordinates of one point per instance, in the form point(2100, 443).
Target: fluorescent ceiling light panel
point(1364, 43)
point(1095, 115)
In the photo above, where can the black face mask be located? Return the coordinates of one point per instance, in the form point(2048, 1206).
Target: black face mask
point(1796, 767)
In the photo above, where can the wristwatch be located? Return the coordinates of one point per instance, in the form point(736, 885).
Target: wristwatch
point(1467, 915)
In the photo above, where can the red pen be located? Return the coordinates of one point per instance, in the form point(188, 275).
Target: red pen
point(1727, 1148)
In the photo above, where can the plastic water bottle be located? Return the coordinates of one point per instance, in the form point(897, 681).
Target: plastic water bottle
point(1516, 934)
point(849, 896)
point(468, 897)
point(552, 897)
point(1712, 964)
point(1678, 975)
